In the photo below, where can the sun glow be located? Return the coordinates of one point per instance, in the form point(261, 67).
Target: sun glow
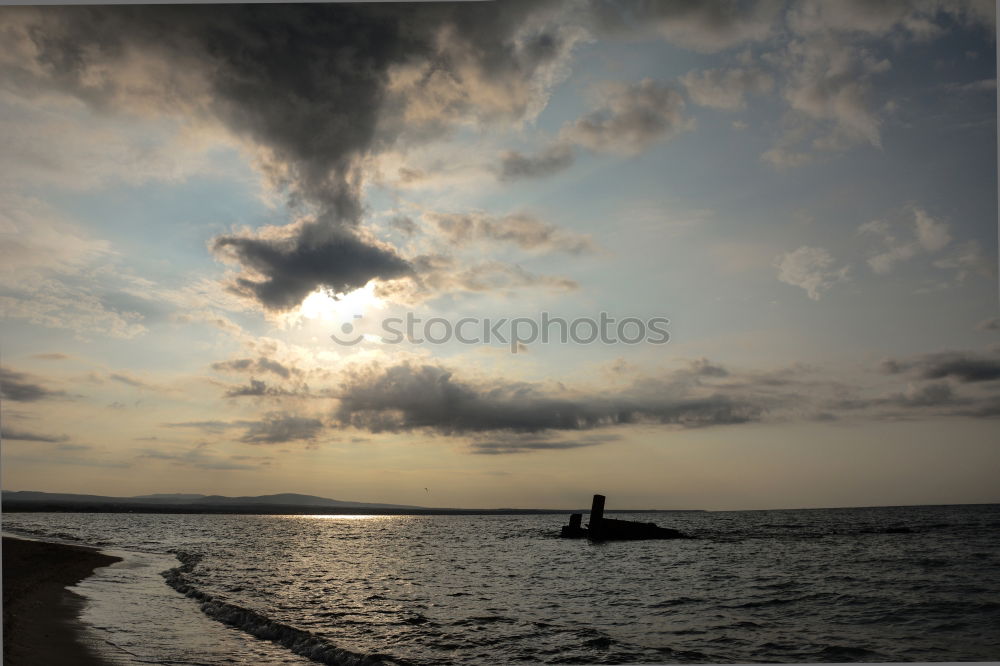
point(324, 305)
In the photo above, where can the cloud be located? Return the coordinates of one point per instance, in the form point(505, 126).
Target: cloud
point(700, 26)
point(261, 364)
point(873, 19)
point(20, 387)
point(726, 88)
point(521, 229)
point(274, 428)
point(992, 324)
point(314, 90)
point(830, 80)
point(550, 160)
point(834, 56)
point(212, 427)
point(967, 260)
point(629, 118)
point(810, 268)
point(258, 388)
point(408, 397)
point(130, 381)
point(283, 266)
point(25, 436)
point(965, 367)
point(784, 158)
point(278, 427)
point(981, 85)
point(927, 236)
point(404, 225)
point(36, 237)
point(440, 273)
point(198, 458)
point(506, 444)
point(52, 356)
point(74, 302)
point(706, 368)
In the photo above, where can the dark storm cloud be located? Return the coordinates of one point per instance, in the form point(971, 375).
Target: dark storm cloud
point(25, 436)
point(553, 159)
point(407, 397)
point(966, 367)
point(20, 387)
point(316, 88)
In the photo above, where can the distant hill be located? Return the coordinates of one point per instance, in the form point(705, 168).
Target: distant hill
point(181, 499)
point(282, 503)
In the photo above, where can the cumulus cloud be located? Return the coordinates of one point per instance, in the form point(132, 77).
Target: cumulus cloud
point(811, 268)
point(832, 61)
point(313, 89)
point(521, 229)
point(409, 396)
point(726, 88)
point(830, 81)
point(281, 268)
point(629, 118)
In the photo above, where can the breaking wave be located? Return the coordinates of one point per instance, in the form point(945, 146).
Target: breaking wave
point(301, 642)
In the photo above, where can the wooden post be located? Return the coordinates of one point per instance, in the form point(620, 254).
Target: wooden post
point(597, 510)
point(574, 520)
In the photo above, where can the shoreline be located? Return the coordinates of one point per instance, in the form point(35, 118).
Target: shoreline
point(40, 616)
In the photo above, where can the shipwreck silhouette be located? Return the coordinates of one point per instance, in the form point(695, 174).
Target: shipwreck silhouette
point(609, 529)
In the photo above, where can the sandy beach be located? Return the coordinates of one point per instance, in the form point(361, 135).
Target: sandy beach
point(39, 613)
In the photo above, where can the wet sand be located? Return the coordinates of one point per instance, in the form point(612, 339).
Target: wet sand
point(40, 616)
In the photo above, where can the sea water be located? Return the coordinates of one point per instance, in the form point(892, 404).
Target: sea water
point(836, 585)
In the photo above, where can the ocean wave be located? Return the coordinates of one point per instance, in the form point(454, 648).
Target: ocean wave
point(303, 643)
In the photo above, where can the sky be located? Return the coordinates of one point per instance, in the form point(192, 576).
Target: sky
point(214, 217)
